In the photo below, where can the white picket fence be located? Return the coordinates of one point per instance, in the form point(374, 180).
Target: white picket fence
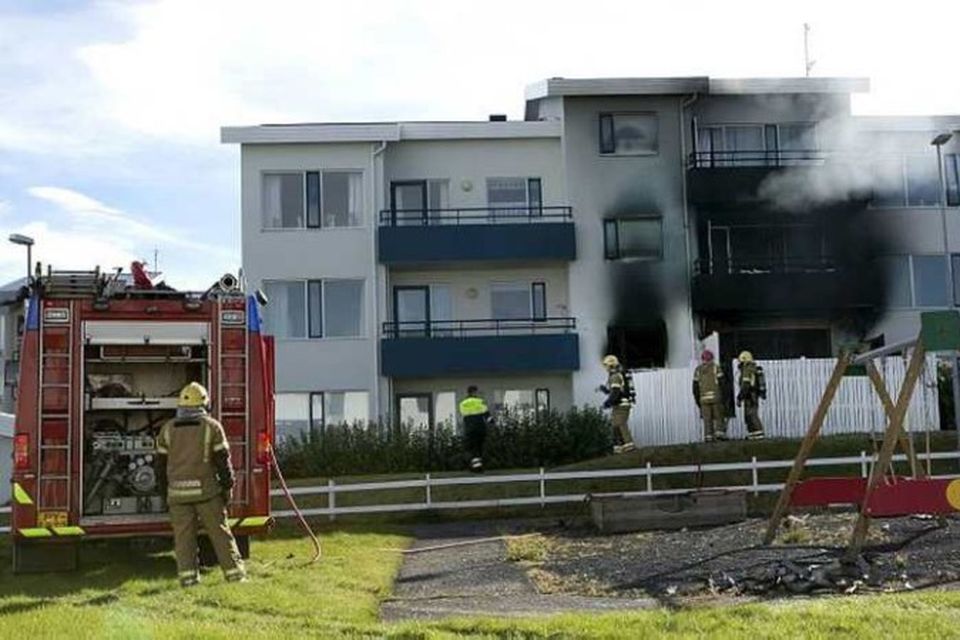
point(666, 414)
point(542, 479)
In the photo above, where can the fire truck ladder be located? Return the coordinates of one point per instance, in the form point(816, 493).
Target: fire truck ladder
point(56, 409)
point(233, 394)
point(71, 284)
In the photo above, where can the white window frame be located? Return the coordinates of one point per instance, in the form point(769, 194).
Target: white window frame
point(306, 308)
point(305, 226)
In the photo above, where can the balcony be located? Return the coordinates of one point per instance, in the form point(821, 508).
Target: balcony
point(720, 178)
point(474, 347)
point(783, 284)
point(483, 234)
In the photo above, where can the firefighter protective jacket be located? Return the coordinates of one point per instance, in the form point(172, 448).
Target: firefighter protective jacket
point(198, 459)
point(707, 379)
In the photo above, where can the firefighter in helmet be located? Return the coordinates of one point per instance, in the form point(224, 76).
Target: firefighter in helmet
point(619, 400)
point(708, 394)
point(199, 480)
point(753, 388)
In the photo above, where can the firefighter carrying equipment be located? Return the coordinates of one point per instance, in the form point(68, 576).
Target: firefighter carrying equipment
point(619, 389)
point(198, 459)
point(193, 395)
point(707, 381)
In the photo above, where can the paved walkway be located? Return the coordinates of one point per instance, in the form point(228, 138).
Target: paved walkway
point(477, 579)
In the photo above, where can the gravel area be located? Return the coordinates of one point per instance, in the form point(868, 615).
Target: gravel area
point(727, 561)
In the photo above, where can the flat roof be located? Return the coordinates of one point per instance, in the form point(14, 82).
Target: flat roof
point(907, 124)
point(693, 84)
point(388, 131)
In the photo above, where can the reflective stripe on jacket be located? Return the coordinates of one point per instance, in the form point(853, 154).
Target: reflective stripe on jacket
point(189, 445)
point(708, 376)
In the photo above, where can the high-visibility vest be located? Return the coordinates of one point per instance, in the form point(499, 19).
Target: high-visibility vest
point(473, 406)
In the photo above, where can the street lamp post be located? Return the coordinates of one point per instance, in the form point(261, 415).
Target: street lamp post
point(24, 241)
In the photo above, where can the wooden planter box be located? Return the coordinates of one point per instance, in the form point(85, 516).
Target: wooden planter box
point(620, 514)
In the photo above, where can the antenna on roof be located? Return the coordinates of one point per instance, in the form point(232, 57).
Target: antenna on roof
point(807, 62)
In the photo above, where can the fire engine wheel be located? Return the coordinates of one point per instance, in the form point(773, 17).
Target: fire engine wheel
point(208, 557)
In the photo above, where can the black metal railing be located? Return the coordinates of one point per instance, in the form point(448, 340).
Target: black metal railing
point(746, 265)
point(475, 215)
point(478, 327)
point(756, 158)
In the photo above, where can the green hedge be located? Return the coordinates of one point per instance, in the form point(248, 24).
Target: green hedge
point(513, 441)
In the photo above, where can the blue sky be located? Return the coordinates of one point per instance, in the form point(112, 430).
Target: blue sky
point(110, 111)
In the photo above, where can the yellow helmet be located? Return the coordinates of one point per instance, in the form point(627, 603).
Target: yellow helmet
point(745, 356)
point(193, 395)
point(611, 361)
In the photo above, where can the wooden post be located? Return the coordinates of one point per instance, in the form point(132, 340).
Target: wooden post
point(886, 451)
point(813, 432)
point(916, 470)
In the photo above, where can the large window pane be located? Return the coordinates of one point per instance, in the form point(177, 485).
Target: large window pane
point(414, 411)
point(285, 315)
point(510, 301)
point(316, 412)
point(539, 292)
point(342, 198)
point(745, 146)
point(507, 197)
point(283, 200)
point(313, 199)
point(516, 400)
point(292, 414)
point(343, 308)
point(639, 238)
point(445, 408)
point(930, 281)
point(923, 181)
point(896, 270)
point(409, 201)
point(955, 265)
point(635, 133)
point(891, 189)
point(346, 407)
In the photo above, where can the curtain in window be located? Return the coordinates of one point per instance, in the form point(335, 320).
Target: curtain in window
point(355, 207)
point(343, 308)
point(272, 187)
point(285, 316)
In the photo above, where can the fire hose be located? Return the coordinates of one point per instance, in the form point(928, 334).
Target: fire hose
point(293, 504)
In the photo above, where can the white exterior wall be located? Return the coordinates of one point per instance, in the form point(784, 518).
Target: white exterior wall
point(6, 456)
point(328, 364)
point(607, 186)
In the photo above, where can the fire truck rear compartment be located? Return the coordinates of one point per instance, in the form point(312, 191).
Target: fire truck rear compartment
point(129, 392)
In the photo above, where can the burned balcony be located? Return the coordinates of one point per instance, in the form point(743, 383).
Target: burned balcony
point(734, 177)
point(482, 234)
point(783, 284)
point(467, 347)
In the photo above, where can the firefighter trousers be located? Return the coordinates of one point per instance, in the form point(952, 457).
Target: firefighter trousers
point(619, 417)
point(212, 515)
point(751, 415)
point(714, 421)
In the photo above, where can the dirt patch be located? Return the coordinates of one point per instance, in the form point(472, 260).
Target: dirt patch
point(728, 562)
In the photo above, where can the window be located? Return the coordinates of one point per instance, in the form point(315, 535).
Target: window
point(955, 265)
point(513, 197)
point(346, 407)
point(633, 238)
point(510, 300)
point(328, 308)
point(896, 270)
point(285, 316)
point(415, 410)
point(755, 145)
point(930, 281)
point(514, 400)
point(951, 163)
point(445, 408)
point(910, 180)
point(283, 201)
point(629, 134)
point(292, 415)
point(542, 398)
point(312, 199)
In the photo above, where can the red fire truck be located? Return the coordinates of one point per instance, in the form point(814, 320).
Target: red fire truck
point(102, 362)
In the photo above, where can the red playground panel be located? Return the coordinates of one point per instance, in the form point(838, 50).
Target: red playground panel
point(893, 497)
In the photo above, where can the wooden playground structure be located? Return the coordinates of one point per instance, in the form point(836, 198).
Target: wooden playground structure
point(882, 493)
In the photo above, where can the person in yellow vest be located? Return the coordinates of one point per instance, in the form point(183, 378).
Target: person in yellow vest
point(196, 470)
point(475, 416)
point(753, 388)
point(708, 394)
point(619, 400)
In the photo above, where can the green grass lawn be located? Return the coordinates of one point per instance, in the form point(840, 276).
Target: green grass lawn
point(127, 593)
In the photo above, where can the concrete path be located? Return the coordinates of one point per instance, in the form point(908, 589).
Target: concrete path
point(477, 579)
